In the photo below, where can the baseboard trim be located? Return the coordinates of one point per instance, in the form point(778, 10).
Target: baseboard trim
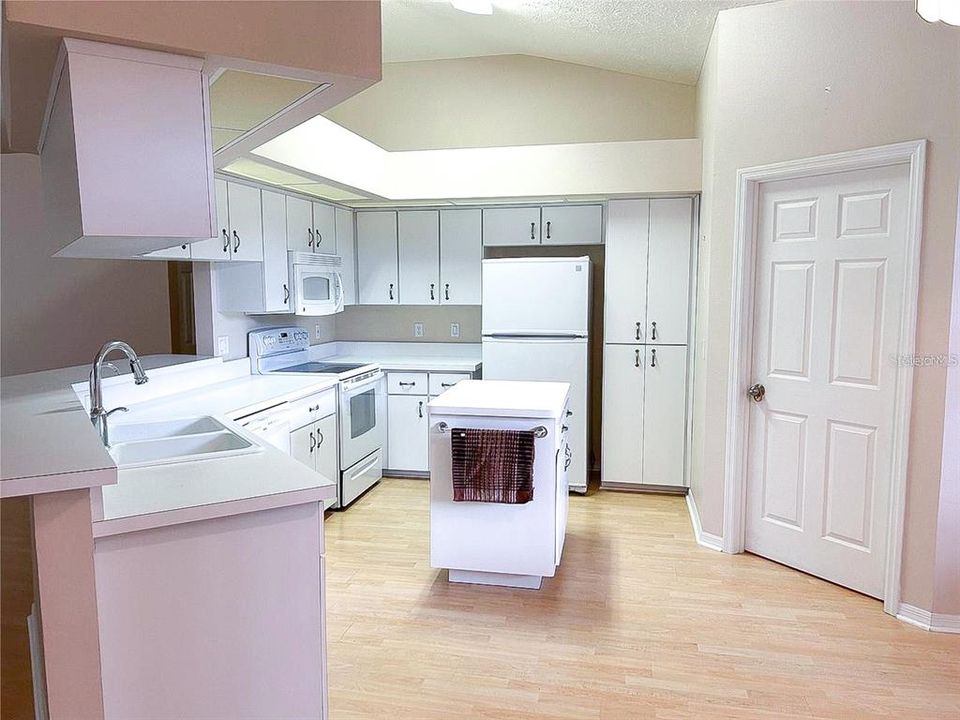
point(926, 620)
point(703, 538)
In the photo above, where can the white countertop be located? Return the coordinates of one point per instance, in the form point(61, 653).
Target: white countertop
point(503, 398)
point(408, 356)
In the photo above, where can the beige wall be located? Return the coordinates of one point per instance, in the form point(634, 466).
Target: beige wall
point(798, 79)
point(56, 312)
point(513, 100)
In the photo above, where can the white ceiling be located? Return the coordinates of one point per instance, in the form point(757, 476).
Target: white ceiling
point(664, 39)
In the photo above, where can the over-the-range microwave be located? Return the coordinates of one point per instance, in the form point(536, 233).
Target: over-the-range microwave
point(315, 283)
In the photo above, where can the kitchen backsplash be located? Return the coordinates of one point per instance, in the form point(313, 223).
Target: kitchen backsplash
point(387, 323)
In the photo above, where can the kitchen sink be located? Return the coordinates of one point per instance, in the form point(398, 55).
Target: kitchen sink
point(132, 432)
point(175, 441)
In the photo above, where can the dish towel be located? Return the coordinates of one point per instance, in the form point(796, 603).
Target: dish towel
point(494, 466)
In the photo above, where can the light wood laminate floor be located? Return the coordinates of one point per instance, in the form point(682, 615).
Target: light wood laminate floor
point(640, 622)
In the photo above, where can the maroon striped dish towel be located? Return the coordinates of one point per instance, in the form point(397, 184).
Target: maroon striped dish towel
point(494, 466)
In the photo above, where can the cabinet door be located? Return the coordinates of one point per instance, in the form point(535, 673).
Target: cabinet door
point(324, 228)
point(303, 445)
point(327, 461)
point(461, 256)
point(664, 414)
point(407, 425)
point(217, 248)
point(299, 224)
point(347, 249)
point(511, 226)
point(418, 236)
point(246, 225)
point(377, 275)
point(668, 284)
point(573, 225)
point(623, 419)
point(625, 286)
point(276, 289)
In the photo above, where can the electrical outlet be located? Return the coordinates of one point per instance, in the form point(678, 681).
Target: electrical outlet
point(317, 332)
point(455, 330)
point(223, 345)
point(418, 329)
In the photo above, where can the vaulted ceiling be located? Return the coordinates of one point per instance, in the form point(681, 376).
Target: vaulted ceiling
point(663, 39)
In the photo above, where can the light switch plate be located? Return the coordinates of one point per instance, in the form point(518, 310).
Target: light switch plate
point(455, 330)
point(418, 329)
point(223, 345)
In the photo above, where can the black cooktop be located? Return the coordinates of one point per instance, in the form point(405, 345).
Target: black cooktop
point(322, 367)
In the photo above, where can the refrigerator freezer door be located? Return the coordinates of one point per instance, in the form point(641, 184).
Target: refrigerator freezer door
point(551, 360)
point(536, 296)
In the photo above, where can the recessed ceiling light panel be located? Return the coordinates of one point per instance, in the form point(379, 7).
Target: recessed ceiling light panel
point(474, 7)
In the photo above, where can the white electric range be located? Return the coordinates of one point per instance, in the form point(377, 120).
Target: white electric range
point(362, 402)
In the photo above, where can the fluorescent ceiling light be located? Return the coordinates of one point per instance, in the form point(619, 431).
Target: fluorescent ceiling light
point(476, 7)
point(947, 11)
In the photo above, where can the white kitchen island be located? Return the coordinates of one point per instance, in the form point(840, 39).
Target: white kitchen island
point(514, 545)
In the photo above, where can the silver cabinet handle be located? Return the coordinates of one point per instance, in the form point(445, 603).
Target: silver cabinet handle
point(636, 362)
point(226, 240)
point(638, 331)
point(653, 331)
point(446, 291)
point(431, 291)
point(653, 357)
point(420, 409)
point(391, 291)
point(237, 238)
point(310, 233)
point(313, 441)
point(532, 226)
point(548, 229)
point(286, 294)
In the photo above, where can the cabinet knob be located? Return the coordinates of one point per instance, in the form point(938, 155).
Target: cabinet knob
point(653, 331)
point(653, 357)
point(446, 291)
point(532, 229)
point(420, 409)
point(636, 362)
point(638, 331)
point(548, 229)
point(431, 291)
point(391, 291)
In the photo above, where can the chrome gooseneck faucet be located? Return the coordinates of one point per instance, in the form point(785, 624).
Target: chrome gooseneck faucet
point(98, 416)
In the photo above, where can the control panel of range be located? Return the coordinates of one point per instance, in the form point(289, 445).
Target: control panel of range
point(274, 341)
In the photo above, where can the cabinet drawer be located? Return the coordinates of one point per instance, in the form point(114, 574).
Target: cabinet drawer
point(407, 383)
point(313, 407)
point(441, 382)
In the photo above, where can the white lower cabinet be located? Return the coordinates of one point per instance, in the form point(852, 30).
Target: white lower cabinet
point(644, 415)
point(315, 445)
point(407, 422)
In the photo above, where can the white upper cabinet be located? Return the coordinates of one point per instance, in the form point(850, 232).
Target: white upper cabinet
point(625, 261)
point(377, 259)
point(347, 249)
point(125, 152)
point(324, 228)
point(572, 225)
point(461, 256)
point(217, 248)
point(668, 281)
point(299, 224)
point(418, 235)
point(246, 228)
point(511, 226)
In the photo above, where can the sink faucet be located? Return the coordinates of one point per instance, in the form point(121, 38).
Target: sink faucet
point(98, 416)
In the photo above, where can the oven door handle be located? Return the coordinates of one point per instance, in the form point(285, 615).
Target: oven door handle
point(360, 387)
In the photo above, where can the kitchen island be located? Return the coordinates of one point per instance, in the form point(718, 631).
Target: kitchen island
point(496, 543)
point(177, 589)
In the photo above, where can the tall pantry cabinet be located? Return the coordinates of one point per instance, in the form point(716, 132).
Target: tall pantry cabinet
point(648, 258)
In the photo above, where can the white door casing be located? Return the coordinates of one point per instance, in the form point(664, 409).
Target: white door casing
point(825, 287)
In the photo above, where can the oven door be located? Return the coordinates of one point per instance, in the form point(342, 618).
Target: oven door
point(316, 291)
point(363, 418)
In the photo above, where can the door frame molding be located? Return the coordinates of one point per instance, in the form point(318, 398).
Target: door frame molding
point(749, 180)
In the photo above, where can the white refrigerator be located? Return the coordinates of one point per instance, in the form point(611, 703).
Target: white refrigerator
point(535, 322)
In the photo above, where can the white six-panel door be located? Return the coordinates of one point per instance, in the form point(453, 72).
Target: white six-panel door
point(829, 270)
